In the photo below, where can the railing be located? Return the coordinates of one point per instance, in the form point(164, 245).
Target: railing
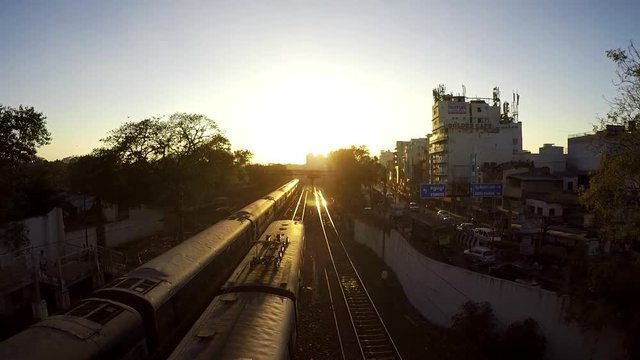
point(20, 268)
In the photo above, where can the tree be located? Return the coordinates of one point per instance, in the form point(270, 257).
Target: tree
point(185, 156)
point(614, 189)
point(22, 131)
point(27, 184)
point(477, 323)
point(353, 169)
point(522, 340)
point(606, 290)
point(172, 161)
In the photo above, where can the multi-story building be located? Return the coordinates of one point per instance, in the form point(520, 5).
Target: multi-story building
point(386, 160)
point(410, 159)
point(467, 134)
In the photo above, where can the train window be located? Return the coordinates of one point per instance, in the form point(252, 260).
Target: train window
point(103, 315)
point(84, 309)
point(127, 284)
point(145, 286)
point(115, 282)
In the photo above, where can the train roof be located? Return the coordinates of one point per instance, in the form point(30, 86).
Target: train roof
point(244, 325)
point(251, 210)
point(276, 194)
point(170, 270)
point(81, 333)
point(258, 269)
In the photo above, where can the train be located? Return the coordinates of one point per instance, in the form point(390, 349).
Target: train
point(145, 313)
point(254, 315)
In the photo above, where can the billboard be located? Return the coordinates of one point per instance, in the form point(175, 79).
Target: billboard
point(486, 190)
point(428, 191)
point(457, 108)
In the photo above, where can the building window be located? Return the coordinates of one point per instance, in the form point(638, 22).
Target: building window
point(479, 109)
point(515, 141)
point(570, 186)
point(479, 120)
point(552, 212)
point(539, 211)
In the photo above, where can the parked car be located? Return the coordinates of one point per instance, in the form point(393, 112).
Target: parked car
point(485, 235)
point(465, 227)
point(443, 213)
point(445, 216)
point(480, 254)
point(414, 207)
point(514, 272)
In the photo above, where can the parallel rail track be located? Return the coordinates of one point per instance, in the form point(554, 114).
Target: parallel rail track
point(298, 212)
point(374, 340)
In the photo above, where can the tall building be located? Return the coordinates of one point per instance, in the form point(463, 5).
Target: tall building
point(386, 160)
point(410, 159)
point(469, 132)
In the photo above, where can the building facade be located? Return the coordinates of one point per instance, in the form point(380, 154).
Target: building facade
point(467, 134)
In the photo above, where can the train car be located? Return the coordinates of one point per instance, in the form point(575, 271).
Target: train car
point(168, 293)
point(254, 316)
point(94, 329)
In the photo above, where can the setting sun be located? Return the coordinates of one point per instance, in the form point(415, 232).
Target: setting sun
point(316, 110)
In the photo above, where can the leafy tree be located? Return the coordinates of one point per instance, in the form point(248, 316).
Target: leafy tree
point(477, 323)
point(28, 184)
point(22, 131)
point(354, 169)
point(172, 161)
point(605, 290)
point(614, 189)
point(522, 340)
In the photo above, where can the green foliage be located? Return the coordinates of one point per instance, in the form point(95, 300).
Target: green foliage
point(614, 189)
point(353, 169)
point(477, 324)
point(13, 236)
point(27, 184)
point(605, 293)
point(184, 158)
point(606, 290)
point(521, 341)
point(22, 131)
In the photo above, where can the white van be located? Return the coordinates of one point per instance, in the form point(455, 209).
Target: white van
point(485, 235)
point(480, 254)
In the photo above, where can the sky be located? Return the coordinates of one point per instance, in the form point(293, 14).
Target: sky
point(287, 78)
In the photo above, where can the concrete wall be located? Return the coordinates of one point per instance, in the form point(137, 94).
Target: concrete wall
point(46, 233)
point(438, 291)
point(141, 222)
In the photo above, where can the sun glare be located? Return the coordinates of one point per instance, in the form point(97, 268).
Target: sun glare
point(315, 111)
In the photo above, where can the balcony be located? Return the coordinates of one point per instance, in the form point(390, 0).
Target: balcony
point(438, 137)
point(438, 149)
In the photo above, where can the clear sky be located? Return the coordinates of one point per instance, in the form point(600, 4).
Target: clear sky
point(286, 78)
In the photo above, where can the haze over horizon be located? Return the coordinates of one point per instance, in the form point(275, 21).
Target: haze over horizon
point(287, 78)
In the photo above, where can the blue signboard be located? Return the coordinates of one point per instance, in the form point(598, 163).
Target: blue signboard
point(486, 190)
point(432, 190)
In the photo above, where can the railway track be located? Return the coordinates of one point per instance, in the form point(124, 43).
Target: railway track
point(301, 206)
point(373, 338)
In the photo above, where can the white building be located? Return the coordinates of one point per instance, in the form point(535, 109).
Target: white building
point(468, 132)
point(548, 155)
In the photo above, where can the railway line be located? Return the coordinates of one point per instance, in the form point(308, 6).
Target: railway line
point(364, 321)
